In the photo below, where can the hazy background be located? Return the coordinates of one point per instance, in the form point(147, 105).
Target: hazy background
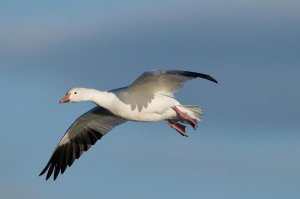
point(247, 146)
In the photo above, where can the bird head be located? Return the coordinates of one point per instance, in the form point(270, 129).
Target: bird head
point(75, 95)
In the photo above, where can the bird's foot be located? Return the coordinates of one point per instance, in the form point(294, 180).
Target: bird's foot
point(178, 127)
point(185, 117)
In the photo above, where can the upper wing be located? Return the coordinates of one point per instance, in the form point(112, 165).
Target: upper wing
point(83, 133)
point(164, 82)
point(141, 92)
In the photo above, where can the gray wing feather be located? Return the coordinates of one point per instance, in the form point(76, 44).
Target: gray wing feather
point(165, 82)
point(81, 135)
point(141, 92)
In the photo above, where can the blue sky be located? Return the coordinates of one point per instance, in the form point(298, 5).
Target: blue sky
point(248, 144)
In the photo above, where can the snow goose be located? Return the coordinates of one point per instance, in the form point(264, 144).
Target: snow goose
point(149, 98)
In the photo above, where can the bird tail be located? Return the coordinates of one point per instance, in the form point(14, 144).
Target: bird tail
point(193, 111)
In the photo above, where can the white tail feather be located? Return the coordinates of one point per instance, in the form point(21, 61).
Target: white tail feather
point(193, 111)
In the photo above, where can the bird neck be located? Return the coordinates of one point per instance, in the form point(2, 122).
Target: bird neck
point(101, 98)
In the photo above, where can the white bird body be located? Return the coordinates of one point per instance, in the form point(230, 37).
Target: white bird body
point(148, 99)
point(158, 109)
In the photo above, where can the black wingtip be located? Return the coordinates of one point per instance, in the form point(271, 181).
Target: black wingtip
point(210, 78)
point(200, 75)
point(44, 170)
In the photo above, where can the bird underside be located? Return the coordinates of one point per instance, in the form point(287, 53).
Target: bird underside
point(180, 128)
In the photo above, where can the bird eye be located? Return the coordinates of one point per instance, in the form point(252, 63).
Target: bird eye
point(75, 92)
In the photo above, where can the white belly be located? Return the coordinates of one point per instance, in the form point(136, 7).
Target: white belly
point(159, 108)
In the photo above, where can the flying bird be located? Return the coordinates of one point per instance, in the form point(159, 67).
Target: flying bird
point(149, 98)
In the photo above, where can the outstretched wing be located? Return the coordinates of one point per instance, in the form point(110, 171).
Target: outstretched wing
point(164, 82)
point(142, 91)
point(80, 136)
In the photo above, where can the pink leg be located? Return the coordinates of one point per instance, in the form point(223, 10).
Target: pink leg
point(178, 127)
point(185, 117)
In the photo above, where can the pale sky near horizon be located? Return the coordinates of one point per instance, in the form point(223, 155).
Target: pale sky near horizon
point(247, 145)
